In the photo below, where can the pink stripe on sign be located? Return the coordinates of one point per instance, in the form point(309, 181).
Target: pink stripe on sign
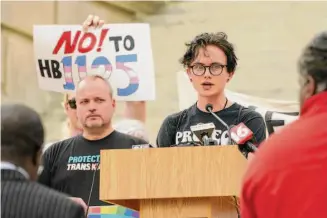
point(108, 67)
point(82, 69)
point(69, 80)
point(122, 66)
point(67, 69)
point(134, 80)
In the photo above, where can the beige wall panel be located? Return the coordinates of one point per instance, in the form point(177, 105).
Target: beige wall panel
point(74, 12)
point(3, 64)
point(21, 79)
point(24, 14)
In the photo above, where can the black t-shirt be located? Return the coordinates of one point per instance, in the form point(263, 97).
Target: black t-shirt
point(175, 129)
point(69, 165)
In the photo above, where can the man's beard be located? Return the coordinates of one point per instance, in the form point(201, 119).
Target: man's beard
point(94, 125)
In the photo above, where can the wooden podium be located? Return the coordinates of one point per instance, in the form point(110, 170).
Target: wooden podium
point(175, 182)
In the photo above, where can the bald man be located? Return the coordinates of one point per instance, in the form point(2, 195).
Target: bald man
point(69, 165)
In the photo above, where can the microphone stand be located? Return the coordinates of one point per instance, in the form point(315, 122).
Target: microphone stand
point(222, 122)
point(208, 141)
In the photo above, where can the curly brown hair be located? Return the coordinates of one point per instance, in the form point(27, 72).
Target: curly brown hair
point(217, 39)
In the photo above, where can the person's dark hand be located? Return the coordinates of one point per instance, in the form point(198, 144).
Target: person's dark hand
point(80, 202)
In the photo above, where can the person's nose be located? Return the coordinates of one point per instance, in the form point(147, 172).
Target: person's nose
point(92, 107)
point(92, 110)
point(207, 73)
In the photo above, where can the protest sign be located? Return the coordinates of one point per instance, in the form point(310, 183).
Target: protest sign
point(121, 53)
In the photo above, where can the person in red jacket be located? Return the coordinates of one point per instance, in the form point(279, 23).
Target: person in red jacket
point(287, 177)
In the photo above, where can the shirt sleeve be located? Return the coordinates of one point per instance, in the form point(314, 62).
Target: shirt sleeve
point(141, 141)
point(252, 186)
point(166, 134)
point(246, 204)
point(46, 167)
point(286, 191)
point(256, 123)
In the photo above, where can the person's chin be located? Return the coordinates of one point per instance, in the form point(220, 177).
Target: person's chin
point(208, 93)
point(94, 124)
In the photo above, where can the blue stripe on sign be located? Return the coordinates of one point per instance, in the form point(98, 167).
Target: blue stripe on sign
point(126, 58)
point(101, 61)
point(130, 89)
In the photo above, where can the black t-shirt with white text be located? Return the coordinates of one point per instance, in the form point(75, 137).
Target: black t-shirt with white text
point(175, 129)
point(69, 165)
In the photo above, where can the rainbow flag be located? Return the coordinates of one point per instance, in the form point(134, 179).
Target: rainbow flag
point(113, 211)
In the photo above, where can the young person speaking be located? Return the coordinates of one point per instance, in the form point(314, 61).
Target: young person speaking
point(210, 63)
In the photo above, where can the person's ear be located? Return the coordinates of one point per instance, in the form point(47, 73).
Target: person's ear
point(230, 76)
point(308, 88)
point(65, 106)
point(37, 158)
point(189, 74)
point(114, 103)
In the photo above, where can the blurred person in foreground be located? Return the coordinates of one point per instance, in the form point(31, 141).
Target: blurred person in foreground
point(22, 136)
point(69, 165)
point(210, 63)
point(287, 177)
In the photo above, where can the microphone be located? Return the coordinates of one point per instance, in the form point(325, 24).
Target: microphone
point(209, 109)
point(241, 135)
point(204, 132)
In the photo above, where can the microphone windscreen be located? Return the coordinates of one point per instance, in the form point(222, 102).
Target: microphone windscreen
point(209, 107)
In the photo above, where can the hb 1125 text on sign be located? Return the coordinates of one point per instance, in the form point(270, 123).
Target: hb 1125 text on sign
point(121, 53)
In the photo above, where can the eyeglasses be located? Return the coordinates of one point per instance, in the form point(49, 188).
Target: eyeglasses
point(215, 69)
point(72, 103)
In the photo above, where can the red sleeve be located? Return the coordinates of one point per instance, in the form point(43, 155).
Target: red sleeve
point(297, 192)
point(246, 201)
point(256, 199)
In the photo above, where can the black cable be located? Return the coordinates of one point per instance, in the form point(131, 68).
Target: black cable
point(236, 206)
point(91, 190)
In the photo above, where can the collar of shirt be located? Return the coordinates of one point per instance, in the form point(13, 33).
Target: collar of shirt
point(10, 166)
point(315, 105)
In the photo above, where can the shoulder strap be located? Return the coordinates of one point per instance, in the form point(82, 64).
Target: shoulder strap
point(180, 119)
point(239, 115)
point(175, 127)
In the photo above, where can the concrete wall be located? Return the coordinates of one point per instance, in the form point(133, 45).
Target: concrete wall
point(268, 37)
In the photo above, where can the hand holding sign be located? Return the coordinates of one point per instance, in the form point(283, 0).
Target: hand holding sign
point(92, 21)
point(65, 55)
